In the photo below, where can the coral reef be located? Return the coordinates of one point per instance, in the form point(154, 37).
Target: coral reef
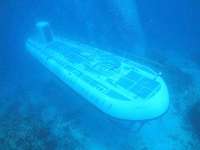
point(21, 133)
point(23, 127)
point(177, 79)
point(194, 117)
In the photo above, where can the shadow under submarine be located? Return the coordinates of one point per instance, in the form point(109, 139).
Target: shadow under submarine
point(118, 86)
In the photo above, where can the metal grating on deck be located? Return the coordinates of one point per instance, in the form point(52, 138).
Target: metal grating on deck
point(134, 82)
point(138, 84)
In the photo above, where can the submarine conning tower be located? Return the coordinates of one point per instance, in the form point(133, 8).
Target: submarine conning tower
point(44, 31)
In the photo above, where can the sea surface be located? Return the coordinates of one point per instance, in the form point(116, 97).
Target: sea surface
point(40, 112)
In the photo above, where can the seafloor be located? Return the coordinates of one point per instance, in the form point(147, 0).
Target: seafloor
point(42, 113)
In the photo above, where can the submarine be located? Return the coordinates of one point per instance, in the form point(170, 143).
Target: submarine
point(118, 86)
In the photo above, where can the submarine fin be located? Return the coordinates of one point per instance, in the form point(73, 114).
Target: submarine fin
point(44, 31)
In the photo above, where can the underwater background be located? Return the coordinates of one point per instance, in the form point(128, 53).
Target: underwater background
point(40, 112)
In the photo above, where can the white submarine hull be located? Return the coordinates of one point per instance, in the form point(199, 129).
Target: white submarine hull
point(117, 86)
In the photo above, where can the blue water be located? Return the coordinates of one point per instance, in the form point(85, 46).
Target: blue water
point(38, 111)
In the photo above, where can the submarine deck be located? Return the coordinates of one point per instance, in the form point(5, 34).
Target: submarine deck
point(110, 74)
